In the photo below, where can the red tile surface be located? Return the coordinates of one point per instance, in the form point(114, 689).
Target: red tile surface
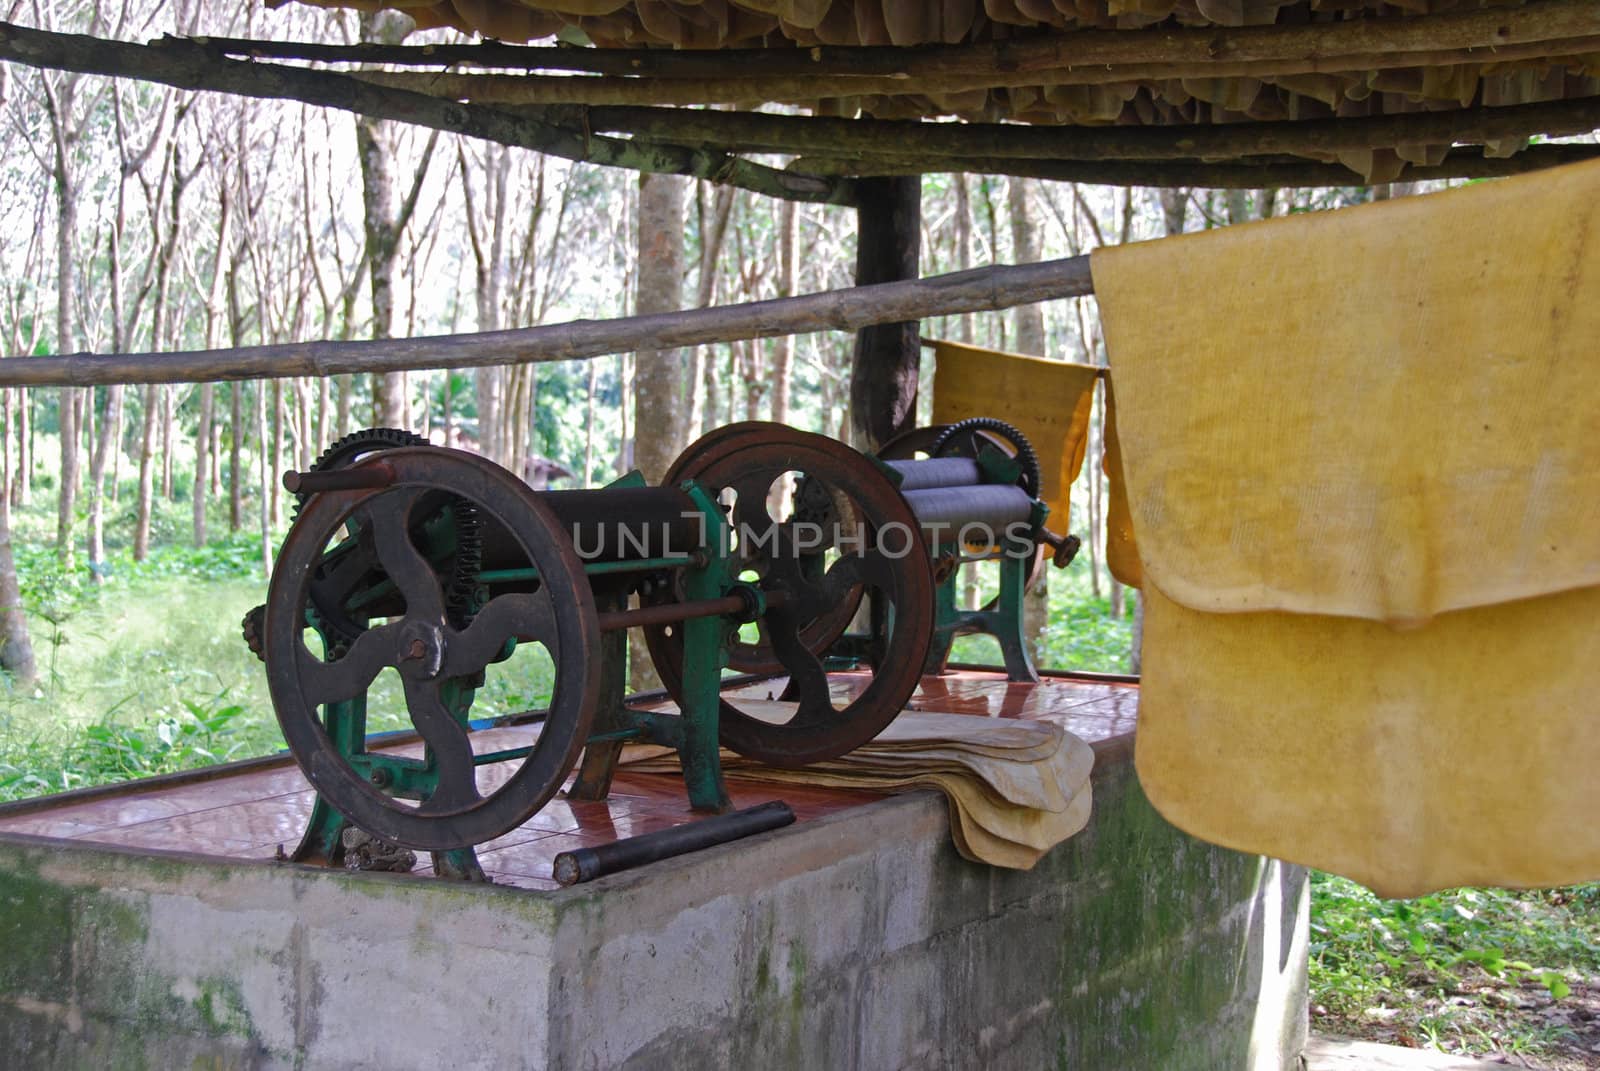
point(248, 814)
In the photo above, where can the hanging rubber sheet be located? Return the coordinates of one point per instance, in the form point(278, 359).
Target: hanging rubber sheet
point(1361, 453)
point(1048, 401)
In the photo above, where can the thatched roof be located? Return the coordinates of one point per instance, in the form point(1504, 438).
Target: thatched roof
point(1171, 62)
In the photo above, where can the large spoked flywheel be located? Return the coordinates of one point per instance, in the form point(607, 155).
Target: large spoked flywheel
point(712, 461)
point(817, 528)
point(381, 557)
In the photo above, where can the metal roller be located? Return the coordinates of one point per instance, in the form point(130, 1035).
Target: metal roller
point(948, 509)
point(920, 475)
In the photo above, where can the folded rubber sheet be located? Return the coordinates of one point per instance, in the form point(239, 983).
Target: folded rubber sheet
point(1361, 456)
point(1016, 788)
point(1048, 401)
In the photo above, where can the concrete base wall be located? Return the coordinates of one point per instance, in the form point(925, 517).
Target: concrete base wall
point(856, 941)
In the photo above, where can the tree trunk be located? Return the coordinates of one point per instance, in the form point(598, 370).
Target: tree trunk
point(168, 419)
point(105, 444)
point(783, 350)
point(341, 416)
point(963, 220)
point(883, 378)
point(712, 233)
point(66, 502)
point(1030, 339)
point(235, 434)
point(1030, 333)
point(377, 195)
point(588, 427)
point(324, 400)
point(202, 470)
point(624, 392)
point(216, 455)
point(22, 481)
point(658, 378)
point(265, 480)
point(141, 529)
point(754, 380)
point(274, 507)
point(386, 220)
point(16, 647)
point(1174, 207)
point(660, 289)
point(116, 452)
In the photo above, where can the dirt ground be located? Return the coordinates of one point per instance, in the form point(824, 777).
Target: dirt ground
point(1516, 1026)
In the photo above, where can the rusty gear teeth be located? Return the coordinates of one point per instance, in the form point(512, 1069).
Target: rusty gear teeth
point(460, 595)
point(254, 627)
point(350, 448)
point(953, 435)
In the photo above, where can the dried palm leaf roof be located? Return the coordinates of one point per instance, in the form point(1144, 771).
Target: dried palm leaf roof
point(1152, 63)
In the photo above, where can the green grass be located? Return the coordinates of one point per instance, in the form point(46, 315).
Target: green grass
point(1081, 633)
point(1469, 970)
point(145, 671)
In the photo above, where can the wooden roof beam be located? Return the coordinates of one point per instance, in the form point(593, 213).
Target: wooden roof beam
point(1268, 173)
point(800, 88)
point(1482, 35)
point(195, 69)
point(848, 138)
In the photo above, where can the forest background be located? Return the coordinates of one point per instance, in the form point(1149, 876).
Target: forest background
point(138, 524)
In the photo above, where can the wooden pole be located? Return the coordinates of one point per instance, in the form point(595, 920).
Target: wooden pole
point(1423, 39)
point(978, 142)
point(883, 377)
point(1270, 172)
point(192, 67)
point(739, 88)
point(979, 290)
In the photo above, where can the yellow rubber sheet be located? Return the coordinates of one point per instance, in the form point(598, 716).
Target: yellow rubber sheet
point(1464, 753)
point(1384, 412)
point(1048, 401)
point(1122, 549)
point(1360, 453)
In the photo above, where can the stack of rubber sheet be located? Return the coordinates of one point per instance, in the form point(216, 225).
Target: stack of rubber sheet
point(1361, 456)
point(1016, 788)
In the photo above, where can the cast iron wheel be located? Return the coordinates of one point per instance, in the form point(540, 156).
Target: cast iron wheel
point(429, 652)
point(888, 560)
point(908, 444)
point(713, 462)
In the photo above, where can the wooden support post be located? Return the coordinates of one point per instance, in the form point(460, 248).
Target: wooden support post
point(883, 378)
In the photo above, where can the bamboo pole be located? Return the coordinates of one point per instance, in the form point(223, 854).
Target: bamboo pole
point(1425, 38)
point(981, 289)
point(195, 68)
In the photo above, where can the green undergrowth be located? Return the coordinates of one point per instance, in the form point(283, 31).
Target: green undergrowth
point(143, 671)
point(1081, 632)
point(1486, 971)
